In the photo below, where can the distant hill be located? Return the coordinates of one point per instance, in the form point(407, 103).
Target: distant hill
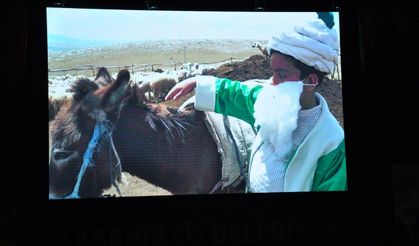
point(63, 43)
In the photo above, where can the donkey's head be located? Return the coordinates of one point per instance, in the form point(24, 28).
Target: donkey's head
point(82, 161)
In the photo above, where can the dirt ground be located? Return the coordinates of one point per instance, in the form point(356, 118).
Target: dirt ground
point(134, 186)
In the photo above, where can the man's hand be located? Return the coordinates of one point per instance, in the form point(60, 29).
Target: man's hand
point(181, 89)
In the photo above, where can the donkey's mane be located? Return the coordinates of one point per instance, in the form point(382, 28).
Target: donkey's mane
point(173, 123)
point(81, 87)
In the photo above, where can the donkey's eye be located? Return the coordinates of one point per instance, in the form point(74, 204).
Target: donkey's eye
point(61, 155)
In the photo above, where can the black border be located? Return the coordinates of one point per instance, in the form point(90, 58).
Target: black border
point(337, 217)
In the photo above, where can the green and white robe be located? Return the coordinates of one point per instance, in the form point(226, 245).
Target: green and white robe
point(318, 163)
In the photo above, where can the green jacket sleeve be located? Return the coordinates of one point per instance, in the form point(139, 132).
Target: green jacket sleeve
point(330, 174)
point(235, 99)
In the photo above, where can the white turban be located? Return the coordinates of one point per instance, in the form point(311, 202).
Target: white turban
point(313, 44)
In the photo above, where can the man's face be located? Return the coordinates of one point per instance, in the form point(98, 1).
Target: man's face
point(282, 69)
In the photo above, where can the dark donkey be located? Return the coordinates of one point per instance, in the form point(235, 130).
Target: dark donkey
point(106, 126)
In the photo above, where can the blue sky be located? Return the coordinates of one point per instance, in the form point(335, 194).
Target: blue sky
point(132, 25)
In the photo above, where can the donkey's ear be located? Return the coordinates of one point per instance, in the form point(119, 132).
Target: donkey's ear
point(117, 92)
point(81, 88)
point(103, 77)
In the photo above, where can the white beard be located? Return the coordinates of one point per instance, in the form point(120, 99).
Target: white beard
point(276, 112)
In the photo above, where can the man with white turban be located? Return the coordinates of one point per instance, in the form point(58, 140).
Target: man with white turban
point(299, 145)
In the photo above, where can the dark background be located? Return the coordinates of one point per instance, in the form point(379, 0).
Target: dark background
point(380, 92)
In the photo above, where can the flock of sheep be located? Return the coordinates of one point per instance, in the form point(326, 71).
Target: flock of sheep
point(153, 86)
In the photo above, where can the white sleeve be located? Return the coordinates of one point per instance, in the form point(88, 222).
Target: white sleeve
point(205, 93)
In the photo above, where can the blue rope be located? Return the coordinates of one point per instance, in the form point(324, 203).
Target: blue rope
point(100, 130)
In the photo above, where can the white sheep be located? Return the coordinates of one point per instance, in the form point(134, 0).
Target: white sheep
point(264, 50)
point(183, 74)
